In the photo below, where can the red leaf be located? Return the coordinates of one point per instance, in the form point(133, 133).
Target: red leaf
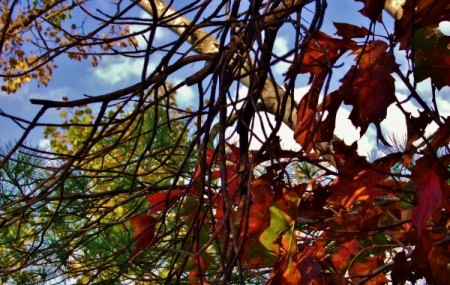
point(372, 9)
point(320, 54)
point(429, 198)
point(144, 232)
point(349, 31)
point(311, 128)
point(369, 88)
point(197, 275)
point(359, 181)
point(161, 200)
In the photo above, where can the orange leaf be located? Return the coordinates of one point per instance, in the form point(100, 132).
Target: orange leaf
point(366, 267)
point(321, 52)
point(342, 255)
point(144, 232)
point(311, 128)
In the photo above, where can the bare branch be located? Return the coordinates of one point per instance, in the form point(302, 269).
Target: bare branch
point(202, 42)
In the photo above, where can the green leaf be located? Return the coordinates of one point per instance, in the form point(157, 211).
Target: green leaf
point(279, 221)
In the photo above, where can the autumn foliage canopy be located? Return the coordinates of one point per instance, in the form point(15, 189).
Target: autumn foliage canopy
point(181, 200)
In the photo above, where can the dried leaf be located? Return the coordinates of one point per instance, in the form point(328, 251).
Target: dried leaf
point(341, 257)
point(321, 52)
point(401, 269)
point(369, 88)
point(349, 31)
point(160, 201)
point(418, 14)
point(144, 232)
point(429, 195)
point(432, 56)
point(311, 128)
point(367, 266)
point(372, 9)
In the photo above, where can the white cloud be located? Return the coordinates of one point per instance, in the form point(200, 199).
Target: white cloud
point(186, 96)
point(280, 46)
point(443, 101)
point(118, 69)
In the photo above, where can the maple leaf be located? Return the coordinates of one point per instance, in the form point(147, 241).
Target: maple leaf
point(254, 253)
point(367, 266)
point(430, 259)
point(369, 88)
point(428, 195)
point(144, 232)
point(360, 181)
point(160, 201)
point(319, 55)
point(309, 260)
point(311, 128)
point(372, 9)
point(341, 257)
point(349, 31)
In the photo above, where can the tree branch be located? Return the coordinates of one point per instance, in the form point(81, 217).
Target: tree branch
point(202, 42)
point(272, 93)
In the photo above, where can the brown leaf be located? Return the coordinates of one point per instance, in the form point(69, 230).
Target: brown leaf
point(432, 56)
point(319, 55)
point(144, 232)
point(160, 201)
point(349, 31)
point(401, 269)
point(372, 9)
point(418, 14)
point(342, 255)
point(439, 258)
point(311, 128)
point(370, 88)
point(366, 267)
point(360, 181)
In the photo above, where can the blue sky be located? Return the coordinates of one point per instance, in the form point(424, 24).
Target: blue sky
point(74, 79)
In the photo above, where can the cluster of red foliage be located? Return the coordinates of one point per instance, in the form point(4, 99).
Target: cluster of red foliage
point(353, 220)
